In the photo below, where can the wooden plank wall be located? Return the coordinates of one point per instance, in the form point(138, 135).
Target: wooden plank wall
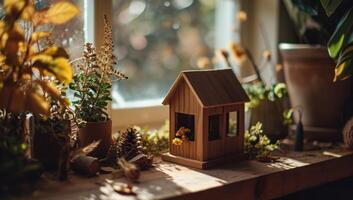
point(225, 145)
point(214, 148)
point(184, 101)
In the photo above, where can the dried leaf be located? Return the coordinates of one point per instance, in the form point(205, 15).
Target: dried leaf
point(85, 150)
point(107, 170)
point(125, 189)
point(89, 148)
point(61, 12)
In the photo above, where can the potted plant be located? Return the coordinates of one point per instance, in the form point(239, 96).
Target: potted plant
point(323, 92)
point(92, 88)
point(26, 67)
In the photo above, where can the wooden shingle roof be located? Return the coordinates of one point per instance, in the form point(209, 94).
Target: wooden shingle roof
point(211, 87)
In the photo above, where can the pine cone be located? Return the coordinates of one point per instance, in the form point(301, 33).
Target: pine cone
point(112, 155)
point(129, 144)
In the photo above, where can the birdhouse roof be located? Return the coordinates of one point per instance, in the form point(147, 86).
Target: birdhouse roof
point(211, 87)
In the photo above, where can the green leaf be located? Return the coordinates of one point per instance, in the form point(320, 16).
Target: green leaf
point(342, 35)
point(330, 6)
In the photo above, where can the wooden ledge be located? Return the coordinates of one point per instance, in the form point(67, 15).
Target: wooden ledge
point(243, 180)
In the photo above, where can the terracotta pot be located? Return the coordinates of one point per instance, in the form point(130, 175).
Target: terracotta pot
point(309, 73)
point(270, 114)
point(94, 131)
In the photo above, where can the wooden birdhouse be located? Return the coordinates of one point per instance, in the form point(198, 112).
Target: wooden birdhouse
point(209, 105)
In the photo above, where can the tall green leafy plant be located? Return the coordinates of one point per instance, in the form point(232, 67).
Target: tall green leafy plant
point(340, 45)
point(93, 81)
point(327, 22)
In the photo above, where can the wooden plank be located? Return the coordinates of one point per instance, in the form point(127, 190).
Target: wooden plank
point(243, 180)
point(200, 137)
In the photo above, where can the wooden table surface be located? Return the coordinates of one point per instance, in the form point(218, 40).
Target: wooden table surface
point(245, 180)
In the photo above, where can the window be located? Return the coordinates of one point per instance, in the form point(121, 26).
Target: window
point(69, 35)
point(186, 121)
point(232, 124)
point(154, 41)
point(213, 127)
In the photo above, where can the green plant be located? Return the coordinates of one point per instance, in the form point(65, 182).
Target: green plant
point(92, 83)
point(327, 22)
point(258, 92)
point(257, 144)
point(154, 141)
point(15, 167)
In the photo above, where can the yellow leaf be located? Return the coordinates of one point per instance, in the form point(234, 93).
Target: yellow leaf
point(58, 67)
point(2, 27)
point(55, 52)
point(39, 35)
point(62, 70)
point(27, 12)
point(61, 12)
point(50, 88)
point(37, 104)
point(343, 71)
point(13, 5)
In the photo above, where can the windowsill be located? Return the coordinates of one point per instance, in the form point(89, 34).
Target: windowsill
point(152, 116)
point(138, 104)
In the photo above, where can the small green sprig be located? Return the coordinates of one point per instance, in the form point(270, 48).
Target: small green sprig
point(257, 144)
point(154, 141)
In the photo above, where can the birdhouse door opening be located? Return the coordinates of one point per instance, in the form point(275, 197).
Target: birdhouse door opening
point(186, 121)
point(232, 124)
point(213, 127)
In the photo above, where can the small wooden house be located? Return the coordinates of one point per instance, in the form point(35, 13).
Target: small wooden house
point(210, 103)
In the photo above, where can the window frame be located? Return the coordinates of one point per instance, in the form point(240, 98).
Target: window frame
point(228, 133)
point(156, 114)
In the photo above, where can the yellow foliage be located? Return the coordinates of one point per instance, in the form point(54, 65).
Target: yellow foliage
point(13, 5)
point(23, 87)
point(61, 12)
point(62, 70)
point(39, 35)
point(37, 104)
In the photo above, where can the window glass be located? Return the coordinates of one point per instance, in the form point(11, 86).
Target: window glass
point(71, 34)
point(155, 40)
point(232, 124)
point(213, 127)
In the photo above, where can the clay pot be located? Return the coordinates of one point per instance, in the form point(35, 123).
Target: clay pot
point(94, 131)
point(309, 73)
point(270, 114)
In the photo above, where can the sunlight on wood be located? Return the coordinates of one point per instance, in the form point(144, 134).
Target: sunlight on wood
point(327, 153)
point(287, 163)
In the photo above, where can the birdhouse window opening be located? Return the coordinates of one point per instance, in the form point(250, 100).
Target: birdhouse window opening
point(213, 127)
point(186, 121)
point(232, 124)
